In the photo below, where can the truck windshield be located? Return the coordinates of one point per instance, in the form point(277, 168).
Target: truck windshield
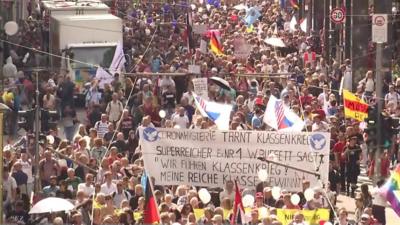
point(92, 56)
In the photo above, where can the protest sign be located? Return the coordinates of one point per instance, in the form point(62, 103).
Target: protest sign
point(200, 87)
point(313, 217)
point(203, 46)
point(195, 69)
point(209, 158)
point(242, 49)
point(200, 28)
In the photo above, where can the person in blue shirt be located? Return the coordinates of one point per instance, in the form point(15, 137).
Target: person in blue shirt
point(50, 190)
point(256, 121)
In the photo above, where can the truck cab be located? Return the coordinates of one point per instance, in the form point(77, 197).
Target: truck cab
point(84, 42)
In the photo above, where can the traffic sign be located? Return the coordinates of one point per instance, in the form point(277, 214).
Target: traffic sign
point(379, 28)
point(338, 15)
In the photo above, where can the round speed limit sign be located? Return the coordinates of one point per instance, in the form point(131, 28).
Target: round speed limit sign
point(337, 15)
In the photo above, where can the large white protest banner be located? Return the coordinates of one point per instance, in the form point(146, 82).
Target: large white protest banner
point(211, 157)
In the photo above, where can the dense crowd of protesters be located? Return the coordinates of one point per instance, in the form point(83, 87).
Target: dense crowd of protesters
point(96, 161)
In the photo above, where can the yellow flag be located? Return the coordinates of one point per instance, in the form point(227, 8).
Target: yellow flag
point(354, 107)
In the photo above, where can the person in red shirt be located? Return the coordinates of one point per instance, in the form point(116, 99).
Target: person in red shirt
point(113, 155)
point(340, 160)
point(305, 98)
point(316, 109)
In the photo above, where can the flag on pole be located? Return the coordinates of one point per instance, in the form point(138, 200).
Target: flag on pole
point(252, 15)
point(280, 117)
point(106, 76)
point(303, 25)
point(219, 113)
point(150, 212)
point(215, 43)
point(391, 190)
point(237, 216)
point(292, 24)
point(354, 107)
point(119, 60)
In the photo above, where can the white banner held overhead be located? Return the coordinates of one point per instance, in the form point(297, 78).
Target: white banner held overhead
point(211, 157)
point(200, 87)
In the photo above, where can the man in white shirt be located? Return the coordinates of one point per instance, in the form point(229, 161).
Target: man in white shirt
point(392, 98)
point(87, 187)
point(9, 190)
point(114, 109)
point(181, 119)
point(379, 203)
point(27, 169)
point(101, 126)
point(228, 191)
point(108, 187)
point(165, 82)
point(319, 125)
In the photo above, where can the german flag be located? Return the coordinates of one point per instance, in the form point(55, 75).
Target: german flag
point(294, 4)
point(215, 44)
point(150, 212)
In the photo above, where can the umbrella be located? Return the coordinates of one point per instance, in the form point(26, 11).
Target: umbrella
point(221, 82)
point(274, 41)
point(51, 204)
point(240, 7)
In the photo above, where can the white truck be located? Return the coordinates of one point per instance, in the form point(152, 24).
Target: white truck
point(75, 8)
point(84, 41)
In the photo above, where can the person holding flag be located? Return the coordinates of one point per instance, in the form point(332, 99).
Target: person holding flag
point(237, 216)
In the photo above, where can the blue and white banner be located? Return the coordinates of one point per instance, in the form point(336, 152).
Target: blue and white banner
point(209, 158)
point(280, 117)
point(219, 113)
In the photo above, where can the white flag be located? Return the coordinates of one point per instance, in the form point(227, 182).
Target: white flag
point(280, 117)
point(292, 25)
point(117, 64)
point(303, 25)
point(219, 113)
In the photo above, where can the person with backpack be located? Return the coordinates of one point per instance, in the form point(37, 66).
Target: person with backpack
point(121, 194)
point(101, 126)
point(114, 109)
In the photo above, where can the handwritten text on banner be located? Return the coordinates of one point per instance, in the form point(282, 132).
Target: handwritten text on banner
point(211, 157)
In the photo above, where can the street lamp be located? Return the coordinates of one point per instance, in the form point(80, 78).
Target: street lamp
point(3, 108)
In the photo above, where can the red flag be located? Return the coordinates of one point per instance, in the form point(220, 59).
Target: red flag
point(238, 209)
point(150, 213)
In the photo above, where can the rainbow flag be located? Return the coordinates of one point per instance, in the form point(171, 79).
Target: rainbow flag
point(391, 190)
